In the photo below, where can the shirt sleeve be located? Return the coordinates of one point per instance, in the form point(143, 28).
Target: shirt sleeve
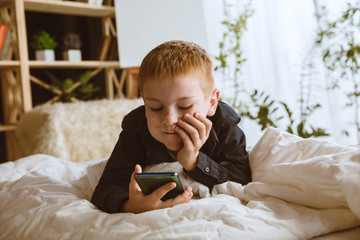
point(113, 187)
point(228, 162)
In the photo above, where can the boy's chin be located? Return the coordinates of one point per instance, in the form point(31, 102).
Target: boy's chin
point(174, 146)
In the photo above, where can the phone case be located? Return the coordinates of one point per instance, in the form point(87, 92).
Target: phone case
point(149, 182)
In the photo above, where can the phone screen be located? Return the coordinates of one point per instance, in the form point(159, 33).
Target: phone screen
point(149, 182)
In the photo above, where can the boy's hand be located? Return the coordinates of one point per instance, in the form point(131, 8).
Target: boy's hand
point(139, 202)
point(194, 131)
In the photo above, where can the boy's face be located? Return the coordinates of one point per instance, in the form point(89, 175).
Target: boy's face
point(167, 101)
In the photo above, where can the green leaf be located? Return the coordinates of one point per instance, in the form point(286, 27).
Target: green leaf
point(68, 83)
point(42, 40)
point(55, 82)
point(85, 77)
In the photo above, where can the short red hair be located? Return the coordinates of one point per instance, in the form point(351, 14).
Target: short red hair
point(174, 59)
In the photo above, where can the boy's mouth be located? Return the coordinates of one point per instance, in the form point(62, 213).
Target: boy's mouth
point(170, 133)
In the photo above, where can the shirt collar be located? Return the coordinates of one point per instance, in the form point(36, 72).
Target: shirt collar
point(210, 144)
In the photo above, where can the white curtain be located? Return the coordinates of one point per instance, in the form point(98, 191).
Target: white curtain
point(279, 37)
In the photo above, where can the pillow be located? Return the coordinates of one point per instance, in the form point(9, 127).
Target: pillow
point(278, 146)
point(78, 132)
point(309, 172)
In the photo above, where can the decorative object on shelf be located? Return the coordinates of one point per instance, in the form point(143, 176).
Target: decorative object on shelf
point(96, 2)
point(71, 45)
point(6, 53)
point(3, 34)
point(43, 44)
point(92, 2)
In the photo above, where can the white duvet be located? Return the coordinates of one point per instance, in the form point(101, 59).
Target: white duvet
point(300, 189)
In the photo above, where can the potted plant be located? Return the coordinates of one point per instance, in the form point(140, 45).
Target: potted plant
point(257, 105)
point(339, 40)
point(44, 45)
point(71, 47)
point(74, 89)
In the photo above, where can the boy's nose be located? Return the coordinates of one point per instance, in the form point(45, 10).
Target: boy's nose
point(171, 117)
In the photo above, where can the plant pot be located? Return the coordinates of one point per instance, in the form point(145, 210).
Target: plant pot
point(92, 2)
point(96, 2)
point(73, 55)
point(45, 55)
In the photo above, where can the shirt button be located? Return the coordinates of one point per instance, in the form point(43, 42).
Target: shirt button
point(207, 169)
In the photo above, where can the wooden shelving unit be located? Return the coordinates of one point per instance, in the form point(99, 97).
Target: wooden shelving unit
point(7, 127)
point(16, 76)
point(9, 64)
point(64, 7)
point(69, 8)
point(67, 64)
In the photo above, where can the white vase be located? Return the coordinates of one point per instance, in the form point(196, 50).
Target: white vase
point(73, 55)
point(95, 2)
point(47, 55)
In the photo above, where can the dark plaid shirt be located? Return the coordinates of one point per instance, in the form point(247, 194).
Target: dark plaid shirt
point(222, 158)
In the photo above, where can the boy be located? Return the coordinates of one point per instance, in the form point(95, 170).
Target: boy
point(177, 85)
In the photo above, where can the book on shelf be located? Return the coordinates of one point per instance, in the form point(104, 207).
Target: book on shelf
point(3, 32)
point(6, 52)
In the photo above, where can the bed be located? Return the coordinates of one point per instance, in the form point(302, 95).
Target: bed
point(301, 189)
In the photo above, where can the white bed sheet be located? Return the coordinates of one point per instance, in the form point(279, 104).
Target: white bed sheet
point(301, 189)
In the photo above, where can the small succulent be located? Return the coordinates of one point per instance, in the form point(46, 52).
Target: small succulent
point(71, 41)
point(43, 40)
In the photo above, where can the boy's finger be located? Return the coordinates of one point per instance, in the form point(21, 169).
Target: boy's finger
point(133, 183)
point(163, 190)
point(191, 130)
point(201, 123)
point(197, 123)
point(205, 121)
point(137, 169)
point(185, 197)
point(187, 141)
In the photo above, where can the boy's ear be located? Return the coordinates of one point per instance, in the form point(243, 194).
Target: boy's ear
point(215, 95)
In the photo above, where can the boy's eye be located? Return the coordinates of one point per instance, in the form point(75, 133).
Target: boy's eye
point(185, 108)
point(156, 109)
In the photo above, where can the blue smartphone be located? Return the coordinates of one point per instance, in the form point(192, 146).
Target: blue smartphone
point(149, 182)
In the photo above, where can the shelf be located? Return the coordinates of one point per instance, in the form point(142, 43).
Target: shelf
point(62, 64)
point(5, 128)
point(67, 64)
point(9, 64)
point(69, 8)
